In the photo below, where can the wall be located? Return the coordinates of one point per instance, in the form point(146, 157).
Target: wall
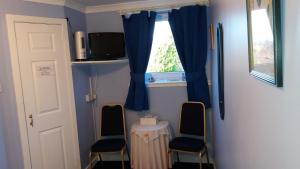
point(8, 113)
point(9, 107)
point(113, 81)
point(3, 160)
point(262, 121)
point(104, 22)
point(81, 76)
point(109, 91)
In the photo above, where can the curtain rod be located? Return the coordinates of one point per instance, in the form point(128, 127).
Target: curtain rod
point(162, 8)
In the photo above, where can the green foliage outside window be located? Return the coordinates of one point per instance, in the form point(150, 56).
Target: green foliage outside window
point(166, 59)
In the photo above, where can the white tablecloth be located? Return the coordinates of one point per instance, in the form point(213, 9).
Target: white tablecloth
point(149, 146)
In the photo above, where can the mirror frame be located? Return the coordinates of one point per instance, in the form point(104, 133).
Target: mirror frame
point(277, 79)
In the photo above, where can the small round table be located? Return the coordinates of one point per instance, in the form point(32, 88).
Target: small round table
point(149, 146)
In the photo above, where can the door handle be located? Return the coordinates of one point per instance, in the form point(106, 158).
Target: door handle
point(31, 120)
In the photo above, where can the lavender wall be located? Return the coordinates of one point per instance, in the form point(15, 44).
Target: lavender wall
point(84, 112)
point(104, 22)
point(8, 109)
point(261, 127)
point(113, 81)
point(81, 76)
point(8, 113)
point(108, 90)
point(3, 160)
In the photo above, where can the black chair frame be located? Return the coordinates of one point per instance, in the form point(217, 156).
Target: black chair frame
point(205, 149)
point(122, 151)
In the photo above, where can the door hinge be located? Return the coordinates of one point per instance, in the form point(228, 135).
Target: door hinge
point(31, 120)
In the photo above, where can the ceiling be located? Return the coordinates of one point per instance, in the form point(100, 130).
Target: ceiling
point(96, 6)
point(102, 2)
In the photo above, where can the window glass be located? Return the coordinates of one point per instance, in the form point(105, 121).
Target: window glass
point(164, 63)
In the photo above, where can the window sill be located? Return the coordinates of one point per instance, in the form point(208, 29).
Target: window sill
point(166, 84)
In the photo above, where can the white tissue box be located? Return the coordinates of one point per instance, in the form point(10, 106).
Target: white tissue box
point(148, 120)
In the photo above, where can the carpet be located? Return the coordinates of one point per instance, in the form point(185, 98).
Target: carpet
point(118, 165)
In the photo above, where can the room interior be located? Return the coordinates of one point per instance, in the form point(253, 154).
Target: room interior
point(260, 125)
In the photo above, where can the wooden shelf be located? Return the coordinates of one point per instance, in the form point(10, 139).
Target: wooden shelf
point(121, 60)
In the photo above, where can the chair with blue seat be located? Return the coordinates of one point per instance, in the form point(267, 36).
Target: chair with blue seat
point(113, 133)
point(192, 131)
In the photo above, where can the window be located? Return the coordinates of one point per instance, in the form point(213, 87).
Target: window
point(164, 64)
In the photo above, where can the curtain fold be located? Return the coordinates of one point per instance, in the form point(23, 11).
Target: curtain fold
point(138, 30)
point(189, 28)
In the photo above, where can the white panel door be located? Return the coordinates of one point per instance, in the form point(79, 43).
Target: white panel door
point(42, 63)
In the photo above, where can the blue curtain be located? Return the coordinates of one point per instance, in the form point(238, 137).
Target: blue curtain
point(138, 30)
point(189, 28)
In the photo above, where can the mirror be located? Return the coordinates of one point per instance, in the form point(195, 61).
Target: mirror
point(264, 40)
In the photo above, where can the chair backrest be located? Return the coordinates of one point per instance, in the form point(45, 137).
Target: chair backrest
point(113, 121)
point(192, 119)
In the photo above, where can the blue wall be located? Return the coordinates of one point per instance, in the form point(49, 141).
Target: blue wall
point(3, 160)
point(8, 113)
point(113, 82)
point(261, 127)
point(108, 90)
point(81, 76)
point(84, 112)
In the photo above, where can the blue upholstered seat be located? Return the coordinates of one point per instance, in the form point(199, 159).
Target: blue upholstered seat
point(112, 126)
point(108, 145)
point(192, 131)
point(187, 144)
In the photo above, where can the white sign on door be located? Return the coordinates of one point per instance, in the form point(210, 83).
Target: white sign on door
point(45, 70)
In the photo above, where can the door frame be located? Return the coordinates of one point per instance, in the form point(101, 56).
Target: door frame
point(10, 21)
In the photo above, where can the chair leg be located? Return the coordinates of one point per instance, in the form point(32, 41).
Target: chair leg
point(127, 150)
point(90, 160)
point(169, 151)
point(178, 160)
point(200, 158)
point(100, 157)
point(207, 156)
point(122, 154)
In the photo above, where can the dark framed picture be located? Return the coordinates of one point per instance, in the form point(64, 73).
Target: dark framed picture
point(220, 46)
point(264, 40)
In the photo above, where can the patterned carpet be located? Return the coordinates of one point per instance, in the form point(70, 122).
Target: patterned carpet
point(117, 165)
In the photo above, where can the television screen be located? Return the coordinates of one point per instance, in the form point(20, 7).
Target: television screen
point(106, 46)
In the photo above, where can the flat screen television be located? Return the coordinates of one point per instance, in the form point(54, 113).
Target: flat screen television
point(106, 45)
